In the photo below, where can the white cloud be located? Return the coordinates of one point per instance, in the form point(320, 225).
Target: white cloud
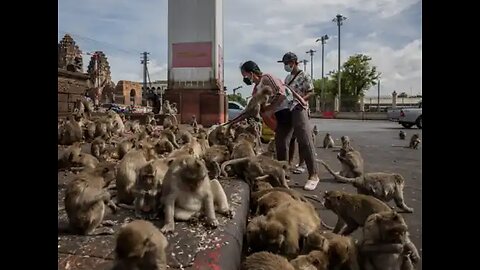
point(257, 30)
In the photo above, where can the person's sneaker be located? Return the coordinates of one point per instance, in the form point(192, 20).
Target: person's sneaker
point(311, 183)
point(299, 169)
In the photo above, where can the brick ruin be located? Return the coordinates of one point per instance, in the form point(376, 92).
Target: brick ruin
point(96, 82)
point(128, 93)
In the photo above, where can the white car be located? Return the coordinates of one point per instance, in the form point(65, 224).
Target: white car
point(410, 117)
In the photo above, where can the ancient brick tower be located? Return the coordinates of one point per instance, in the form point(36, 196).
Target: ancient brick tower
point(100, 78)
point(69, 55)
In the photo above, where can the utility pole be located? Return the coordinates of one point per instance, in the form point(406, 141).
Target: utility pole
point(323, 39)
point(339, 20)
point(145, 73)
point(304, 61)
point(311, 52)
point(236, 88)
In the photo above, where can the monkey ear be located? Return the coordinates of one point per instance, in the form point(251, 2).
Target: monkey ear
point(169, 162)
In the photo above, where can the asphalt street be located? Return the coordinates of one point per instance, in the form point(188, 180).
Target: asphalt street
point(382, 151)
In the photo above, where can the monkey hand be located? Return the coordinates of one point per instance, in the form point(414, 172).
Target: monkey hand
point(213, 223)
point(228, 213)
point(168, 228)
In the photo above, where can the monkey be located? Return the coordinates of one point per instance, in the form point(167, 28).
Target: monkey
point(315, 260)
point(185, 137)
point(341, 250)
point(89, 131)
point(266, 261)
point(350, 159)
point(98, 147)
point(102, 127)
point(386, 242)
point(261, 185)
point(381, 185)
point(240, 149)
point(214, 156)
point(286, 224)
point(271, 151)
point(174, 108)
point(148, 187)
point(169, 135)
point(118, 125)
point(167, 108)
point(314, 134)
point(124, 147)
point(352, 209)
point(82, 105)
point(150, 119)
point(260, 165)
point(252, 234)
point(194, 124)
point(270, 201)
point(187, 191)
point(133, 126)
point(402, 135)
point(254, 106)
point(218, 135)
point(127, 172)
point(85, 200)
point(163, 146)
point(328, 141)
point(83, 160)
point(140, 245)
point(71, 132)
point(65, 160)
point(255, 196)
point(414, 141)
point(149, 129)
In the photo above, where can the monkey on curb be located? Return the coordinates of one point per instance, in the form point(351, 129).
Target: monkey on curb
point(194, 124)
point(188, 191)
point(140, 245)
point(266, 261)
point(414, 141)
point(402, 135)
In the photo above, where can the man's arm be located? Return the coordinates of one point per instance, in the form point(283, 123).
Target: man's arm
point(308, 84)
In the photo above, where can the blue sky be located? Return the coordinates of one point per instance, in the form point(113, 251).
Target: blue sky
point(390, 31)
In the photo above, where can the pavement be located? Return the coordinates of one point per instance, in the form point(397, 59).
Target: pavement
point(382, 151)
point(194, 247)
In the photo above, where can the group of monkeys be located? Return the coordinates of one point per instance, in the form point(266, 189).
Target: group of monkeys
point(175, 170)
point(287, 233)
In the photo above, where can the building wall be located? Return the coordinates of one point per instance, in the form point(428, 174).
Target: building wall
point(123, 90)
point(71, 86)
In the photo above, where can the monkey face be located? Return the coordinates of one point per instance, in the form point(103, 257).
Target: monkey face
point(332, 199)
point(316, 241)
point(194, 172)
point(392, 224)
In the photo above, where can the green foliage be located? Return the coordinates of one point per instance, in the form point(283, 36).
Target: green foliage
point(238, 98)
point(356, 78)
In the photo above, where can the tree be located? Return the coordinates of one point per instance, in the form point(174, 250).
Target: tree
point(403, 95)
point(357, 77)
point(238, 98)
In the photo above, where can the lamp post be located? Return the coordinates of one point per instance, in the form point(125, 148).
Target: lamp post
point(339, 20)
point(323, 39)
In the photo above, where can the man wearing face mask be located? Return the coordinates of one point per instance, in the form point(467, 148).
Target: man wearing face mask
point(302, 84)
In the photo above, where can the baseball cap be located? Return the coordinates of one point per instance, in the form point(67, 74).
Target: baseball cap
point(289, 56)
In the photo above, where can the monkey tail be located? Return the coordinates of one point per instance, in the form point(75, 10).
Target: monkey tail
point(337, 176)
point(232, 162)
point(126, 206)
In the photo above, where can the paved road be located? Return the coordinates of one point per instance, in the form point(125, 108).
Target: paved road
point(382, 150)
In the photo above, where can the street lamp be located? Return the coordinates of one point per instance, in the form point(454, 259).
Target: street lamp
point(339, 20)
point(236, 88)
point(323, 39)
point(304, 61)
point(311, 52)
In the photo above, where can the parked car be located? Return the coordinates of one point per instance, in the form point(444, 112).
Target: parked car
point(411, 116)
point(235, 109)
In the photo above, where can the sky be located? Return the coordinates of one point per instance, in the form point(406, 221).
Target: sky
point(389, 31)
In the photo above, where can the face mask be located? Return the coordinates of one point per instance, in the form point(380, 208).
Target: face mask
point(288, 68)
point(247, 80)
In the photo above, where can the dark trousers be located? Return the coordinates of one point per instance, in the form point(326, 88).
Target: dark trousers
point(288, 123)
